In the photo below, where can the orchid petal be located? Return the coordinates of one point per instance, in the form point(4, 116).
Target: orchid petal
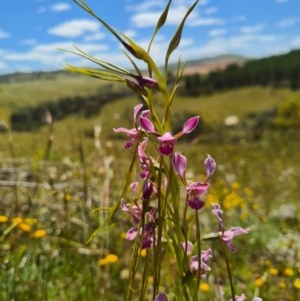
point(161, 297)
point(210, 166)
point(137, 109)
point(179, 164)
point(147, 125)
point(190, 125)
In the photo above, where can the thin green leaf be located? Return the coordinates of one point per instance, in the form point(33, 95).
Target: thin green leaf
point(100, 74)
point(108, 219)
point(160, 23)
point(177, 36)
point(83, 5)
point(138, 71)
point(104, 64)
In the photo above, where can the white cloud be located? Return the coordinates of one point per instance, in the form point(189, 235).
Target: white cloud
point(207, 21)
point(94, 37)
point(252, 29)
point(251, 45)
point(295, 42)
point(288, 22)
point(51, 57)
point(145, 6)
point(217, 32)
point(74, 28)
point(240, 18)
point(210, 10)
point(130, 33)
point(282, 1)
point(204, 2)
point(62, 6)
point(28, 42)
point(148, 13)
point(3, 65)
point(3, 34)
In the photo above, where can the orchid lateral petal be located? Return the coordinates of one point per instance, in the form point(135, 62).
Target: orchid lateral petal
point(190, 125)
point(147, 125)
point(186, 246)
point(210, 165)
point(136, 111)
point(179, 164)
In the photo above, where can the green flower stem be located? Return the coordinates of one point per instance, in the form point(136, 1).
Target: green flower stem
point(145, 277)
point(158, 247)
point(228, 269)
point(198, 238)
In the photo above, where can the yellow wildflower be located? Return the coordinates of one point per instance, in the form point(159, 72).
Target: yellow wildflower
point(143, 253)
point(39, 233)
point(108, 259)
point(281, 284)
point(289, 272)
point(259, 282)
point(204, 287)
point(123, 234)
point(273, 271)
point(3, 218)
point(24, 227)
point(30, 221)
point(235, 185)
point(256, 206)
point(248, 191)
point(68, 197)
point(297, 284)
point(267, 263)
point(17, 220)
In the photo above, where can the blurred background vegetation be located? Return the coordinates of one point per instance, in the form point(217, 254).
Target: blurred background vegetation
point(61, 166)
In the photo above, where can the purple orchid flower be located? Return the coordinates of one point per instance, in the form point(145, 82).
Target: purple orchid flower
point(187, 247)
point(161, 297)
point(146, 233)
point(196, 192)
point(228, 235)
point(204, 267)
point(167, 141)
point(134, 133)
point(166, 144)
point(243, 297)
point(145, 162)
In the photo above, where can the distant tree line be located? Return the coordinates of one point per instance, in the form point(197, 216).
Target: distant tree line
point(31, 118)
point(31, 76)
point(277, 71)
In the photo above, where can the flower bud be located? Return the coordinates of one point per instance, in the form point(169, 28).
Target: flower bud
point(147, 190)
point(190, 125)
point(210, 166)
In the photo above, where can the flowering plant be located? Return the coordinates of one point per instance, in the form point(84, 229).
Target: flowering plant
point(174, 244)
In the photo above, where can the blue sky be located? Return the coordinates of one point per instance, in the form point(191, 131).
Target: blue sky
point(32, 31)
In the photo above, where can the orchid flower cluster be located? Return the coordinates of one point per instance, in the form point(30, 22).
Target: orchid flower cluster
point(157, 180)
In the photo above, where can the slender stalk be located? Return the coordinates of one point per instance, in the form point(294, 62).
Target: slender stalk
point(228, 270)
point(198, 239)
point(158, 248)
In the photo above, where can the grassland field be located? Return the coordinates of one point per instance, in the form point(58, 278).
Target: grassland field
point(257, 182)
